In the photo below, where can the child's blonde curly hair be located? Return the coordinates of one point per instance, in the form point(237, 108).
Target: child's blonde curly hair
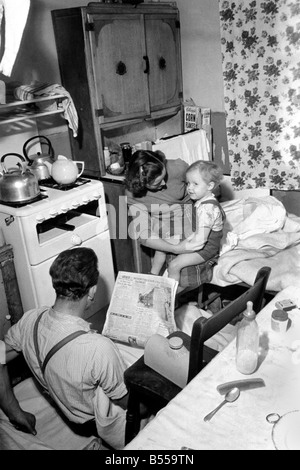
point(210, 171)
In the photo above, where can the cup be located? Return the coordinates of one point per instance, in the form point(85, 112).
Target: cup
point(279, 321)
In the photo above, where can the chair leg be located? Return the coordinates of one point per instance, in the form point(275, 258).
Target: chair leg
point(133, 418)
point(200, 296)
point(213, 302)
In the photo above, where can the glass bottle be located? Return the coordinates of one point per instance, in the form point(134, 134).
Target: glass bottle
point(106, 157)
point(126, 151)
point(247, 342)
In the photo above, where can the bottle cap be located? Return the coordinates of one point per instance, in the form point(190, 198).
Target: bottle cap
point(175, 342)
point(280, 315)
point(279, 321)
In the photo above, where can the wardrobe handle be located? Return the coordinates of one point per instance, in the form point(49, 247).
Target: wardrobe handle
point(146, 59)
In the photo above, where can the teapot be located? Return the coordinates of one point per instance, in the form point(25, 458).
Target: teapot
point(18, 185)
point(37, 162)
point(65, 171)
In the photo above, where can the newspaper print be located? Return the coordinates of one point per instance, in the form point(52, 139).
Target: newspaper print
point(141, 305)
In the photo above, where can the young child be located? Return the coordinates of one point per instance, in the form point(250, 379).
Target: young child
point(202, 178)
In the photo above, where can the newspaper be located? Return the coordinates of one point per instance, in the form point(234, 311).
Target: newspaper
point(141, 305)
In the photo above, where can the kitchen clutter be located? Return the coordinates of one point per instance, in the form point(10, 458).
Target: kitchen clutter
point(22, 175)
point(45, 166)
point(117, 156)
point(188, 146)
point(114, 159)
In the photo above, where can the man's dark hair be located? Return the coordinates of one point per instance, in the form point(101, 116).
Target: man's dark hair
point(74, 272)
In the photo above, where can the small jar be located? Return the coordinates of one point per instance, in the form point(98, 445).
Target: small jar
point(279, 321)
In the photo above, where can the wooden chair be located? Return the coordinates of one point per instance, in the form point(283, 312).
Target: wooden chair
point(147, 387)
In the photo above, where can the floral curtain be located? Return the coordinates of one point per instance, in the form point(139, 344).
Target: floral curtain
point(261, 73)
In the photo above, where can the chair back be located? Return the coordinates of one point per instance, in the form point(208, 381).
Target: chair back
point(205, 328)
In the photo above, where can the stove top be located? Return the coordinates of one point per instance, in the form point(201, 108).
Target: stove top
point(25, 203)
point(55, 199)
point(50, 183)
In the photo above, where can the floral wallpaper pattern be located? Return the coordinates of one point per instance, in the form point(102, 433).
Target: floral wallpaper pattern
point(260, 43)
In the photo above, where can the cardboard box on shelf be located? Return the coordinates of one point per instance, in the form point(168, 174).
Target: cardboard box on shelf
point(192, 117)
point(205, 115)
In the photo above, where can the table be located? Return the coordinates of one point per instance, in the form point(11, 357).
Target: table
point(241, 425)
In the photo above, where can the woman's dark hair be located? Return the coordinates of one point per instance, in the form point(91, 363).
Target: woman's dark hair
point(74, 272)
point(144, 167)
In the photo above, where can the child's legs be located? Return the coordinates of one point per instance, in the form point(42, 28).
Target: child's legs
point(182, 261)
point(158, 261)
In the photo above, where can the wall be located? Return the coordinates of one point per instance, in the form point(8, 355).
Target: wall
point(201, 52)
point(201, 55)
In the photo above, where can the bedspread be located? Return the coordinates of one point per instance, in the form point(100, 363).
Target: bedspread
point(259, 232)
point(53, 430)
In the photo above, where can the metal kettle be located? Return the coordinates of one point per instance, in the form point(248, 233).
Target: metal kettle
point(40, 163)
point(18, 185)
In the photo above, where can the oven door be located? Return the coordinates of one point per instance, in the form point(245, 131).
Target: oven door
point(48, 238)
point(44, 293)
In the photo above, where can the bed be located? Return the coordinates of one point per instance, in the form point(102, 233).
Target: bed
point(259, 232)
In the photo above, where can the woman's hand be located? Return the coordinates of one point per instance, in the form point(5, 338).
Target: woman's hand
point(181, 248)
point(189, 245)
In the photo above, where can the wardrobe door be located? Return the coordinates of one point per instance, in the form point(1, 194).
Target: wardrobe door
point(118, 61)
point(163, 51)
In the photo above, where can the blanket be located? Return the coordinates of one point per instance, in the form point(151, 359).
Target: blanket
point(259, 232)
point(53, 431)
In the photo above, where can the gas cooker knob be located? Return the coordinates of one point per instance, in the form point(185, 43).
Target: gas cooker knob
point(64, 209)
point(76, 240)
point(40, 218)
point(97, 196)
point(75, 204)
point(85, 200)
point(53, 212)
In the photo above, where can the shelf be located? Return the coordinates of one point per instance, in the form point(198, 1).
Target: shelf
point(27, 109)
point(160, 114)
point(110, 177)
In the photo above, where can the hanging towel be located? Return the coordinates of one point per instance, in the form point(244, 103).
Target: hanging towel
point(190, 147)
point(14, 13)
point(38, 89)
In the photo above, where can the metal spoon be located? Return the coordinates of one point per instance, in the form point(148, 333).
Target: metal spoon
point(230, 396)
